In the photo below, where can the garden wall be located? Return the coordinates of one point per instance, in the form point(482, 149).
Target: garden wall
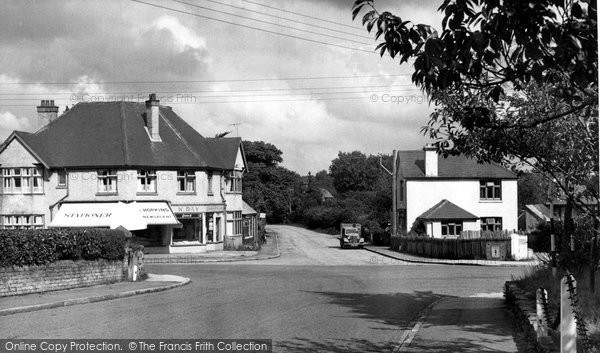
point(63, 274)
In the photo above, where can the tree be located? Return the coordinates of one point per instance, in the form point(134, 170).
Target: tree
point(532, 189)
point(269, 187)
point(260, 152)
point(353, 172)
point(514, 81)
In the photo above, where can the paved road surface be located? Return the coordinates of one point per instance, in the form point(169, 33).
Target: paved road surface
point(314, 298)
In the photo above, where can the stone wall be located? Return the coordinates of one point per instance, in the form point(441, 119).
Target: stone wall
point(59, 275)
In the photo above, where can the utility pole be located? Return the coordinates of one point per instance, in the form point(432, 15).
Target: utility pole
point(394, 174)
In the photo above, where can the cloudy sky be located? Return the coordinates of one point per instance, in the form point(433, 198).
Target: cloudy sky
point(298, 74)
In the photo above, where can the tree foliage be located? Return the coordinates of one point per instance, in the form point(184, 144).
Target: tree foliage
point(512, 81)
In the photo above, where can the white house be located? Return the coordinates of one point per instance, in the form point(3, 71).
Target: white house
point(141, 166)
point(448, 195)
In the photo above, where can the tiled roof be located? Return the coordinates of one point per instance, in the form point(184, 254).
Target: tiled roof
point(246, 209)
point(540, 211)
point(412, 165)
point(446, 210)
point(113, 134)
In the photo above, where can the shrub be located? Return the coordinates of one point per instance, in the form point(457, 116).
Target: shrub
point(43, 246)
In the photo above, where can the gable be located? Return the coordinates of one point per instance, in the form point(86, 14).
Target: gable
point(16, 154)
point(239, 160)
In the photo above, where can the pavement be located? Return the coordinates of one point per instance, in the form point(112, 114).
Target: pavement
point(270, 250)
point(468, 324)
point(385, 251)
point(55, 299)
point(154, 283)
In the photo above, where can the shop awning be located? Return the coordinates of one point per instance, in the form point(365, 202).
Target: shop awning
point(131, 216)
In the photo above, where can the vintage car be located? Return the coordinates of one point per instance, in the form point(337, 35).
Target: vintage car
point(350, 236)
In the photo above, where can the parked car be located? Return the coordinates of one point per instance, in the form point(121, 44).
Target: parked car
point(351, 236)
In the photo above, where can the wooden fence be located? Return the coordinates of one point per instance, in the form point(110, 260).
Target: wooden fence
point(491, 248)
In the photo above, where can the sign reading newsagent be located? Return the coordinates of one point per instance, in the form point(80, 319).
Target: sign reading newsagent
point(156, 213)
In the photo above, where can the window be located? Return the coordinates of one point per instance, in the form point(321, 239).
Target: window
point(186, 181)
point(235, 183)
point(62, 178)
point(22, 221)
point(490, 190)
point(22, 181)
point(107, 181)
point(146, 180)
point(401, 190)
point(451, 227)
point(209, 176)
point(236, 219)
point(491, 224)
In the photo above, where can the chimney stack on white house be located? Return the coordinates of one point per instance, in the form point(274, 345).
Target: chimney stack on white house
point(152, 113)
point(47, 112)
point(431, 160)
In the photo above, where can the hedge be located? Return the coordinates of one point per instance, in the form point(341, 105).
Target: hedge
point(43, 246)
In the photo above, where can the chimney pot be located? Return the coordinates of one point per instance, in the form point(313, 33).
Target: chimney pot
point(47, 112)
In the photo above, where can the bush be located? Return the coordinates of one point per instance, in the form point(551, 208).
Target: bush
point(43, 246)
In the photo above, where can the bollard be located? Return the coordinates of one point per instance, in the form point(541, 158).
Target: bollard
point(568, 326)
point(541, 302)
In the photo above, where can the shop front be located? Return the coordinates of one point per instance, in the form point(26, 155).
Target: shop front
point(150, 223)
point(202, 228)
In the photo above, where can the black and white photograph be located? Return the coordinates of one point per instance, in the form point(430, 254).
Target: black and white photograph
point(299, 176)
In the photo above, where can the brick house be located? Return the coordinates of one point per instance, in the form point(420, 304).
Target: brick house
point(136, 165)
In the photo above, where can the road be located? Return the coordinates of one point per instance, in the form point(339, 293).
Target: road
point(316, 297)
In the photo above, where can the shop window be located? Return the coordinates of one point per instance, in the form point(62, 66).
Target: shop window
point(491, 224)
point(146, 180)
point(107, 181)
point(22, 222)
point(490, 190)
point(191, 230)
point(22, 181)
point(186, 181)
point(452, 227)
point(210, 227)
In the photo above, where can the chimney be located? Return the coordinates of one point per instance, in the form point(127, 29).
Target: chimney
point(152, 113)
point(431, 160)
point(47, 112)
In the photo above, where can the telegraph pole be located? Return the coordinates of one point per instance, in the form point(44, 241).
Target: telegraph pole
point(394, 174)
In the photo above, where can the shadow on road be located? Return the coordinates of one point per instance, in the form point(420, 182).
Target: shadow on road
point(393, 312)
